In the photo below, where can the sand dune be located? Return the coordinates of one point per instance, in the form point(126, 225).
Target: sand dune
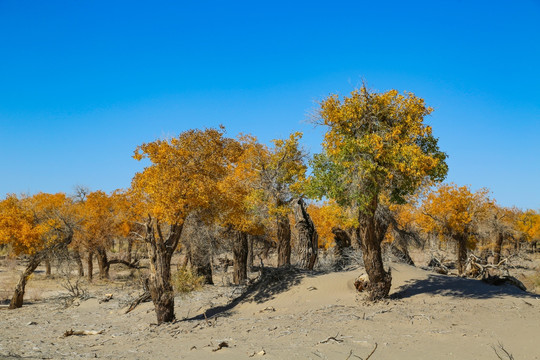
point(297, 316)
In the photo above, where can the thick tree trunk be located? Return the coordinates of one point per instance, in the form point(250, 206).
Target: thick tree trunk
point(78, 260)
point(342, 240)
point(90, 265)
point(17, 299)
point(461, 255)
point(372, 232)
point(103, 263)
point(240, 254)
point(160, 250)
point(498, 248)
point(308, 239)
point(251, 255)
point(284, 240)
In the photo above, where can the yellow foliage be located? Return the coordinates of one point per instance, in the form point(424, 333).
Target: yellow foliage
point(328, 216)
point(32, 223)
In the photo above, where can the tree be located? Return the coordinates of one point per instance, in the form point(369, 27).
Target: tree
point(36, 226)
point(455, 213)
point(239, 199)
point(182, 178)
point(529, 224)
point(376, 145)
point(282, 175)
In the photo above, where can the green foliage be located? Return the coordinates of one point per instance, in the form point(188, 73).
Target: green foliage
point(376, 144)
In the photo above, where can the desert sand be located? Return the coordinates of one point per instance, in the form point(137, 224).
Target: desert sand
point(290, 314)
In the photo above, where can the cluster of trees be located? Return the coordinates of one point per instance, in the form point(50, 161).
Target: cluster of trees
point(377, 174)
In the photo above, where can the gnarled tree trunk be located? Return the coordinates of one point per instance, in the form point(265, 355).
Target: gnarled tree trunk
point(240, 255)
point(160, 250)
point(284, 240)
point(498, 248)
point(103, 263)
point(342, 240)
point(78, 260)
point(371, 233)
point(35, 260)
point(90, 265)
point(308, 239)
point(461, 254)
point(18, 296)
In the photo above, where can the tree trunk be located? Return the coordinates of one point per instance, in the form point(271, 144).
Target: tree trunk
point(251, 255)
point(201, 260)
point(371, 233)
point(356, 242)
point(129, 250)
point(284, 240)
point(90, 265)
point(402, 254)
point(462, 255)
point(308, 239)
point(498, 248)
point(47, 266)
point(103, 263)
point(17, 299)
point(240, 254)
point(341, 240)
point(160, 250)
point(78, 260)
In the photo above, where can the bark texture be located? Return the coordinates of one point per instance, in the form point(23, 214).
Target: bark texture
point(90, 265)
point(160, 249)
point(498, 248)
point(371, 232)
point(462, 255)
point(78, 260)
point(308, 239)
point(284, 240)
point(18, 296)
point(342, 241)
point(240, 254)
point(103, 263)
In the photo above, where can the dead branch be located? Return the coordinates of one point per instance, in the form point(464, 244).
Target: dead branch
point(221, 345)
point(82, 332)
point(372, 352)
point(332, 338)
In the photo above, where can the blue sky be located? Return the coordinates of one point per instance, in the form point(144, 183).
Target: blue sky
point(82, 83)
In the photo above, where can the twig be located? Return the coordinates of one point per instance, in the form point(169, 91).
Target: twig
point(331, 338)
point(373, 351)
point(509, 356)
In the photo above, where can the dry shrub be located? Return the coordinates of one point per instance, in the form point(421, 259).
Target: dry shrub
point(185, 280)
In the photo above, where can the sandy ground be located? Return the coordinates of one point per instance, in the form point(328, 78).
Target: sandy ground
point(289, 316)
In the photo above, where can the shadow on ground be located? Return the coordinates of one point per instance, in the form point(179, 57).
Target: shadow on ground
point(270, 283)
point(458, 287)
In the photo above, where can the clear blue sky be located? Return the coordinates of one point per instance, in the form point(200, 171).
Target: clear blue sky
point(82, 83)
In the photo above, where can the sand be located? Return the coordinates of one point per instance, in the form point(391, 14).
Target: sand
point(298, 316)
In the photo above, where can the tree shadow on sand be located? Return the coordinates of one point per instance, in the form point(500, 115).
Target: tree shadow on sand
point(270, 283)
point(458, 287)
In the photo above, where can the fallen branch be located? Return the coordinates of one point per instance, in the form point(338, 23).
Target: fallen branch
point(145, 297)
point(332, 338)
point(81, 332)
point(221, 345)
point(372, 352)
